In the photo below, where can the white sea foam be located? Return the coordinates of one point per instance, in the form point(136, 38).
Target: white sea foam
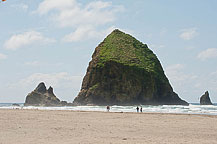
point(191, 109)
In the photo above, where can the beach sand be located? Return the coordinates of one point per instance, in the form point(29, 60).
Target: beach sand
point(68, 127)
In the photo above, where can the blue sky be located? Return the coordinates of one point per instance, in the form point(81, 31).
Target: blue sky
point(53, 40)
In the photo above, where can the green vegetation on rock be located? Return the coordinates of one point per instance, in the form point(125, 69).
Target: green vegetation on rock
point(94, 86)
point(125, 49)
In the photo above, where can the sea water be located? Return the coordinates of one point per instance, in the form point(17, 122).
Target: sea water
point(191, 109)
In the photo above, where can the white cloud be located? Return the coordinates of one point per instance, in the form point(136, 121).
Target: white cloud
point(181, 81)
point(57, 80)
point(207, 82)
point(84, 19)
point(208, 53)
point(73, 14)
point(66, 86)
point(177, 76)
point(78, 34)
point(188, 34)
point(82, 33)
point(2, 56)
point(27, 38)
point(190, 85)
point(48, 5)
point(21, 6)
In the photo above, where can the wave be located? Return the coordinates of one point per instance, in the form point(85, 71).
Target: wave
point(191, 109)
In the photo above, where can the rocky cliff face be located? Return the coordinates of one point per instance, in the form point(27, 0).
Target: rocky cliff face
point(124, 71)
point(42, 97)
point(205, 100)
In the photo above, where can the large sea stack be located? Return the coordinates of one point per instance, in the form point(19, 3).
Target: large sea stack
point(205, 100)
point(124, 71)
point(42, 96)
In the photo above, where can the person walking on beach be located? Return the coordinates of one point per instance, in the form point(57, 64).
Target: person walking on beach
point(141, 109)
point(108, 108)
point(137, 108)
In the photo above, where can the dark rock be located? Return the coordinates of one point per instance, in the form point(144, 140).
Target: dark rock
point(64, 103)
point(41, 88)
point(42, 97)
point(15, 104)
point(124, 71)
point(50, 90)
point(205, 100)
point(70, 104)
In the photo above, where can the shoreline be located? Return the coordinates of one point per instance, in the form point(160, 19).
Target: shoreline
point(147, 113)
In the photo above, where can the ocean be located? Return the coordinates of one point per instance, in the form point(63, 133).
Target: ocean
point(191, 109)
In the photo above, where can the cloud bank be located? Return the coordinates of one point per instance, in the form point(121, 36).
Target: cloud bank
point(62, 79)
point(21, 40)
point(207, 54)
point(188, 34)
point(84, 19)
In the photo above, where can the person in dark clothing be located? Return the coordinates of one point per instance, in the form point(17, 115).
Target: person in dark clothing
point(141, 109)
point(137, 108)
point(108, 108)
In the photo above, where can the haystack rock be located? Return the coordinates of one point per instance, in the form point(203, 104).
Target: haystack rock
point(42, 97)
point(205, 100)
point(124, 71)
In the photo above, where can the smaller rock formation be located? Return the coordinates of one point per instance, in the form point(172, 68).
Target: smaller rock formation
point(15, 104)
point(43, 97)
point(205, 100)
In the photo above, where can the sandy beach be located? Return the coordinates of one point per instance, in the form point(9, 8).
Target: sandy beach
point(68, 127)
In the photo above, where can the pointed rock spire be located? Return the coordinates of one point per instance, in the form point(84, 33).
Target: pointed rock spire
point(205, 99)
point(41, 88)
point(50, 90)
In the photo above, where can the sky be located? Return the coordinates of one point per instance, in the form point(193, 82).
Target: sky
point(53, 41)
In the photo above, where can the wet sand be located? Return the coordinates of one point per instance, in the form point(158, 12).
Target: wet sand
point(68, 127)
